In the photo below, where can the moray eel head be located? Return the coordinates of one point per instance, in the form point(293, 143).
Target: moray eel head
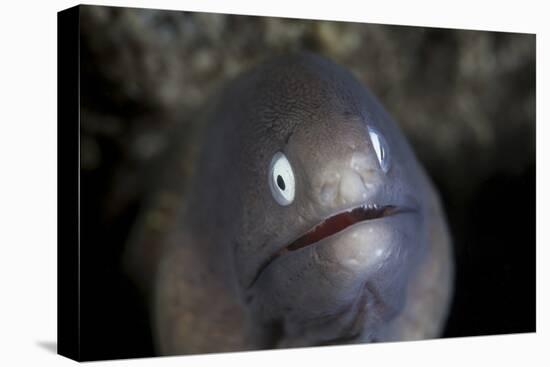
point(334, 221)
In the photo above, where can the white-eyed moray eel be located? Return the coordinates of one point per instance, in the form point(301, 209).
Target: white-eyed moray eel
point(307, 221)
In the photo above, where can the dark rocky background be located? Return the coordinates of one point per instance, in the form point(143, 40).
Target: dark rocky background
point(465, 99)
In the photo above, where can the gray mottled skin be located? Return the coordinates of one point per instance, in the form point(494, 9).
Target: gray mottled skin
point(378, 280)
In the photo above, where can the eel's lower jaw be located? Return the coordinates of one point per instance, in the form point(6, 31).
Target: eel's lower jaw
point(332, 225)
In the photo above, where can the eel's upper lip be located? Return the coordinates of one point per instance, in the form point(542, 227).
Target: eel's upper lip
point(332, 225)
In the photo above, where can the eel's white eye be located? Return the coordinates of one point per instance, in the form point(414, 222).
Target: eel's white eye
point(381, 149)
point(281, 179)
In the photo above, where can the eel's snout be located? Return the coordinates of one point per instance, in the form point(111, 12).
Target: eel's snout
point(348, 182)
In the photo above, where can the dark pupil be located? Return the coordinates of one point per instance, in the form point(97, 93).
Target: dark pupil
point(281, 182)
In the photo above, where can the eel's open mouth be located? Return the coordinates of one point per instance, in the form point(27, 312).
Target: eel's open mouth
point(338, 223)
point(333, 225)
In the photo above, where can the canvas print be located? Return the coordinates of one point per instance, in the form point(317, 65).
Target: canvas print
point(253, 183)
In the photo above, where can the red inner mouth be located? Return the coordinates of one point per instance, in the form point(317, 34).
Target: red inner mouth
point(330, 226)
point(338, 223)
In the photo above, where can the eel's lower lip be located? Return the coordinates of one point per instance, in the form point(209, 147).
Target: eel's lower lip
point(333, 225)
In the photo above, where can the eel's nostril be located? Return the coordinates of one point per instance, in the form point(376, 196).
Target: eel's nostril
point(329, 192)
point(352, 188)
point(329, 189)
